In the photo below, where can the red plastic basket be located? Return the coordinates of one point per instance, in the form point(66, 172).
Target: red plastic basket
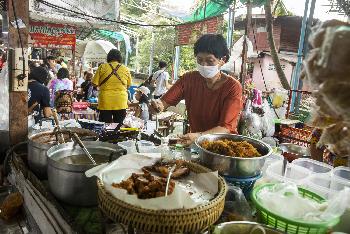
point(80, 105)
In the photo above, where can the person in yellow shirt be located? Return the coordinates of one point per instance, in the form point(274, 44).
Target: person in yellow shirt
point(113, 80)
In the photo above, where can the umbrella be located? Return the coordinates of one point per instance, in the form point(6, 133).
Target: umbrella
point(96, 51)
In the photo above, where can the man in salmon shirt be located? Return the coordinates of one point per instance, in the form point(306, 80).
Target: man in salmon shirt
point(213, 99)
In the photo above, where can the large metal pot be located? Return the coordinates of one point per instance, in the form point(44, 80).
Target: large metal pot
point(67, 180)
point(233, 166)
point(42, 140)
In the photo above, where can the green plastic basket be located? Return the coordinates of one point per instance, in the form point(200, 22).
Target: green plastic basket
point(288, 225)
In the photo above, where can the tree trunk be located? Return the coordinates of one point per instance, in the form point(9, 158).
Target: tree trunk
point(274, 55)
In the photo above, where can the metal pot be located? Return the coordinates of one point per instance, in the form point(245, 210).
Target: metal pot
point(233, 166)
point(68, 181)
point(243, 227)
point(39, 142)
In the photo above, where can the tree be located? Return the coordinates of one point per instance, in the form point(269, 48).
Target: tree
point(274, 55)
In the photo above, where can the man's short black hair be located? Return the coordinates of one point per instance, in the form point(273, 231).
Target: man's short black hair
point(50, 58)
point(162, 64)
point(63, 73)
point(39, 74)
point(114, 55)
point(214, 44)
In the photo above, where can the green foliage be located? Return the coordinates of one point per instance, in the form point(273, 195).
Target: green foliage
point(187, 59)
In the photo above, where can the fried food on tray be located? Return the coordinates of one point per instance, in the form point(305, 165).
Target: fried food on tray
point(145, 185)
point(163, 167)
point(227, 147)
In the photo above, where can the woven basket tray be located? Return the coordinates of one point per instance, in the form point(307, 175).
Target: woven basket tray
point(164, 221)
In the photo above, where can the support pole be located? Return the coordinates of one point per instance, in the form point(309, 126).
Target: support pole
point(306, 50)
point(18, 99)
point(245, 46)
point(231, 25)
point(176, 62)
point(296, 74)
point(137, 63)
point(150, 69)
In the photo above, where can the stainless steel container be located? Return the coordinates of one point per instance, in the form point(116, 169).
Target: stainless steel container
point(40, 141)
point(300, 151)
point(67, 181)
point(243, 227)
point(233, 166)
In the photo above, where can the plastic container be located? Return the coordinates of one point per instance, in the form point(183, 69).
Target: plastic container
point(144, 146)
point(319, 184)
point(129, 146)
point(265, 216)
point(340, 178)
point(274, 157)
point(294, 173)
point(313, 165)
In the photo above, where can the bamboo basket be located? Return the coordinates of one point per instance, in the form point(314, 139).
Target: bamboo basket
point(164, 221)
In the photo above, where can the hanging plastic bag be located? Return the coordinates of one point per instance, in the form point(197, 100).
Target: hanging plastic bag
point(267, 121)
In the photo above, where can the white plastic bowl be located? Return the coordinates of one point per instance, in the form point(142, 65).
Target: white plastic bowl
point(313, 165)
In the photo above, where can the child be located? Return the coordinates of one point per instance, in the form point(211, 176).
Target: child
point(141, 96)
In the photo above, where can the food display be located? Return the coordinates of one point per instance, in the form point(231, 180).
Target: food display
point(227, 147)
point(163, 167)
point(145, 185)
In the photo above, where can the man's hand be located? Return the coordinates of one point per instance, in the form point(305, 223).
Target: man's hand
point(189, 138)
point(156, 106)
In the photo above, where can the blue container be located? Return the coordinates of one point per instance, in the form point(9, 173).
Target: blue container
point(245, 184)
point(132, 90)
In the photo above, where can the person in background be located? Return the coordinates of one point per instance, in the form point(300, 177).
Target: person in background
point(160, 80)
point(81, 79)
point(88, 90)
point(61, 83)
point(213, 99)
point(38, 94)
point(141, 97)
point(113, 80)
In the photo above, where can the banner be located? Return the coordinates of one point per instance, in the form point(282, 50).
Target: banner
point(189, 33)
point(52, 36)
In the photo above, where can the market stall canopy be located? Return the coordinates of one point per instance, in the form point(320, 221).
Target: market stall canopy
point(194, 10)
point(96, 51)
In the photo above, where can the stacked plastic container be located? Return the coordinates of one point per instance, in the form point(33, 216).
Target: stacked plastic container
point(315, 176)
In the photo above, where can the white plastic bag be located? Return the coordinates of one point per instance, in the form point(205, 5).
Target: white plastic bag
point(285, 200)
point(268, 125)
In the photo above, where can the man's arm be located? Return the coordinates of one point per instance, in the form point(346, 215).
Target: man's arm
point(189, 138)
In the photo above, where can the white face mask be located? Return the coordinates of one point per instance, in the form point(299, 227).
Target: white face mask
point(208, 72)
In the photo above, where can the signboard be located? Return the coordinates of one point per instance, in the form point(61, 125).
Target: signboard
point(52, 36)
point(189, 33)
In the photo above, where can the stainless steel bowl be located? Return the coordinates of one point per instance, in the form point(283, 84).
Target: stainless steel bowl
point(295, 149)
point(68, 181)
point(243, 227)
point(233, 166)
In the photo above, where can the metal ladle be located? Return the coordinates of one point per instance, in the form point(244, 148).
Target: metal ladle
point(61, 137)
point(80, 143)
